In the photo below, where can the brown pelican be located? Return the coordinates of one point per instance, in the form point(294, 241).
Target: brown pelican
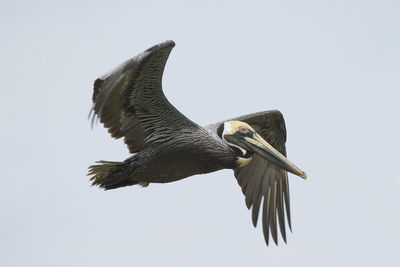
point(167, 146)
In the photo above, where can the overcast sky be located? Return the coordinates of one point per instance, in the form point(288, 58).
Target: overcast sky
point(331, 67)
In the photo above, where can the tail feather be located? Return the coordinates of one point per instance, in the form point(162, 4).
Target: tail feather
point(109, 174)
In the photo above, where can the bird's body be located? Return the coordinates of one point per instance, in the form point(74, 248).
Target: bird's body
point(167, 146)
point(192, 155)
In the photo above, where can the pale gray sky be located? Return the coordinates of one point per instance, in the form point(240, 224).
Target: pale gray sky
point(331, 67)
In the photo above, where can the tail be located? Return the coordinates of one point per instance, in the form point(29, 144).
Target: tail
point(110, 174)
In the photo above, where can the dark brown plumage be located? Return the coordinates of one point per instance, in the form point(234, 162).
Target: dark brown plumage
point(167, 146)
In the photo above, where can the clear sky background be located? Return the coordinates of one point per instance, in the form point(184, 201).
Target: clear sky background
point(331, 67)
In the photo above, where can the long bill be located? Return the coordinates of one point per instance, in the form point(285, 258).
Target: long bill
point(258, 145)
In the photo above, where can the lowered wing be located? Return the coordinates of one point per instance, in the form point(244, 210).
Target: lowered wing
point(261, 179)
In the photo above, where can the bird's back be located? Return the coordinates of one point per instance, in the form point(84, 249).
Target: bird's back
point(188, 153)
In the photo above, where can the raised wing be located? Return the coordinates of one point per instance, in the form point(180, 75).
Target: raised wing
point(130, 102)
point(261, 179)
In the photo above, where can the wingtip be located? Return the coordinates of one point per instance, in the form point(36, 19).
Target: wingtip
point(266, 238)
point(167, 43)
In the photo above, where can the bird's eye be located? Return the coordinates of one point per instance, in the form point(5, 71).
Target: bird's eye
point(243, 129)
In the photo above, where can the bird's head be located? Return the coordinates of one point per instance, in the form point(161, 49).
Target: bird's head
point(245, 141)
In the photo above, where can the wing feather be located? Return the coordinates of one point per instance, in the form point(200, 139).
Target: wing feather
point(265, 218)
point(272, 211)
point(280, 209)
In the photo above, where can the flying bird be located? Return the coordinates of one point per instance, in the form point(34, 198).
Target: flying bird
point(167, 146)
